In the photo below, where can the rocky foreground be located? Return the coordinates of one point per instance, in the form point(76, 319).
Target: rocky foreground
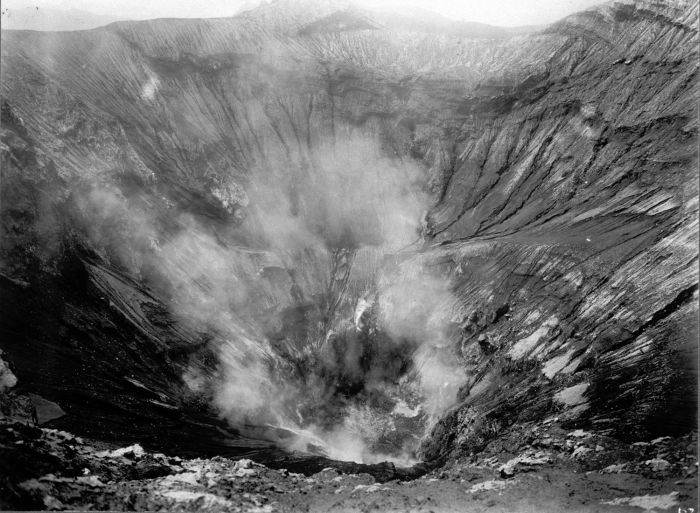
point(542, 467)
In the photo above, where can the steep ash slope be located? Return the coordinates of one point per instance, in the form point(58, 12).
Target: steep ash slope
point(195, 211)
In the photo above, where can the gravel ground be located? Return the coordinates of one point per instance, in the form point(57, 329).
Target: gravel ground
point(551, 470)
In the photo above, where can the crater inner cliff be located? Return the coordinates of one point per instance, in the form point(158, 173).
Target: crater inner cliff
point(318, 228)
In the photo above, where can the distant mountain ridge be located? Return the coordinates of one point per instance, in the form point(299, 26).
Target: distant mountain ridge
point(343, 16)
point(47, 19)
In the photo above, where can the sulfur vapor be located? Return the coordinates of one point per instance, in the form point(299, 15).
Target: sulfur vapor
point(331, 335)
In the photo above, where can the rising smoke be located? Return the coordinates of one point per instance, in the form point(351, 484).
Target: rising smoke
point(330, 332)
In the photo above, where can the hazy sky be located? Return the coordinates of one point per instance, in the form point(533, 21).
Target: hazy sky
point(496, 12)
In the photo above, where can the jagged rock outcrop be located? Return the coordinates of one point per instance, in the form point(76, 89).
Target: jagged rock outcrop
point(560, 166)
point(554, 470)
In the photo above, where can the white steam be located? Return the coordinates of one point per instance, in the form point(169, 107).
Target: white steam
point(317, 234)
point(418, 306)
